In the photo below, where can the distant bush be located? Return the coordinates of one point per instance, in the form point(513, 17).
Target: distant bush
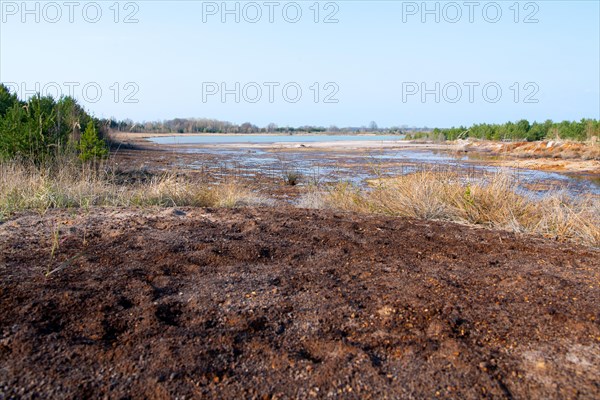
point(582, 130)
point(435, 135)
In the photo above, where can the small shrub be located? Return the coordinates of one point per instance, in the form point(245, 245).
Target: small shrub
point(91, 146)
point(292, 178)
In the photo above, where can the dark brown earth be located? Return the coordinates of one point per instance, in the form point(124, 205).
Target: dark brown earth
point(289, 303)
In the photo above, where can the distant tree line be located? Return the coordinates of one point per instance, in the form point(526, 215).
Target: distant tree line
point(204, 125)
point(41, 128)
point(586, 129)
point(520, 130)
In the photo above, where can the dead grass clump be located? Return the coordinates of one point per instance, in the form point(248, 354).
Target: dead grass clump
point(73, 185)
point(292, 178)
point(494, 202)
point(312, 199)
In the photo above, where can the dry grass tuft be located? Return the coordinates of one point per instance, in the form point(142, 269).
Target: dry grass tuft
point(72, 185)
point(494, 202)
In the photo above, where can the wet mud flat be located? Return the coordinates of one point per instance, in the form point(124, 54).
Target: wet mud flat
point(291, 303)
point(267, 167)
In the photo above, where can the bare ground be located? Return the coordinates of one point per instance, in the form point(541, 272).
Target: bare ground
point(290, 303)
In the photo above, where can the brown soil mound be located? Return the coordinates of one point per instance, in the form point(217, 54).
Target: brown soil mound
point(549, 149)
point(559, 156)
point(263, 303)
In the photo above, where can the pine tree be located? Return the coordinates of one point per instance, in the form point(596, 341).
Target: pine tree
point(91, 146)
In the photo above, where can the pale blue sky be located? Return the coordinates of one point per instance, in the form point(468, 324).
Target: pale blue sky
point(371, 54)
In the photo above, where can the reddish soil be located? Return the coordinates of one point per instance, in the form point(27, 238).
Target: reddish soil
point(288, 303)
point(576, 158)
